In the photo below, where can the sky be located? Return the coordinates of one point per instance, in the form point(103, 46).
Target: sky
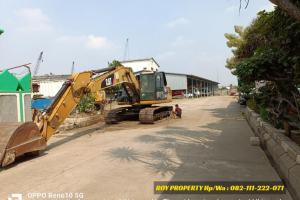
point(182, 36)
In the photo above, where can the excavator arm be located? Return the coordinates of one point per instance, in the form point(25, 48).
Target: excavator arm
point(64, 103)
point(94, 82)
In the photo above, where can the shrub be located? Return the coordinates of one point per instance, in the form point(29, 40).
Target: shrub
point(264, 114)
point(87, 103)
point(251, 103)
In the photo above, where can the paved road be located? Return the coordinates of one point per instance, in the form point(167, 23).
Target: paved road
point(210, 143)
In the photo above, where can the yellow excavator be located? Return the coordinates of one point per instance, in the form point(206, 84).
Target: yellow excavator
point(142, 91)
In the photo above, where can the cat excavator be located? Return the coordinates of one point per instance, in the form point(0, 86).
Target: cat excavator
point(144, 90)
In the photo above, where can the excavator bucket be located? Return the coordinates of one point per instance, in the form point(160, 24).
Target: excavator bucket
point(17, 139)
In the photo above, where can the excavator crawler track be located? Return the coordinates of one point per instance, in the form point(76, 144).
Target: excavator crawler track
point(152, 114)
point(146, 115)
point(121, 114)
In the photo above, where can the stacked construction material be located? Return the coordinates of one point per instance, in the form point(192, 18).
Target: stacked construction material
point(15, 97)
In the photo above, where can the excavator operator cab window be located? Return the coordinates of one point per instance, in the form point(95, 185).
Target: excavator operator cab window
point(147, 82)
point(160, 86)
point(158, 81)
point(153, 86)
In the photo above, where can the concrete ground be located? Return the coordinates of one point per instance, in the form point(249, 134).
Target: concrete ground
point(121, 162)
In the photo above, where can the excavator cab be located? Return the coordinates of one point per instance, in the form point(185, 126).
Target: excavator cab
point(152, 89)
point(153, 86)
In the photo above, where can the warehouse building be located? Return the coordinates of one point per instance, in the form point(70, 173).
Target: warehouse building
point(182, 85)
point(185, 85)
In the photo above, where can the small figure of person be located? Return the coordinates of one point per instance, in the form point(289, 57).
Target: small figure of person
point(177, 112)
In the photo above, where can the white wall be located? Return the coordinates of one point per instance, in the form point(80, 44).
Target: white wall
point(141, 65)
point(177, 82)
point(50, 88)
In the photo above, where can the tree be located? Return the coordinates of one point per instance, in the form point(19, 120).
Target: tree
point(1, 31)
point(115, 63)
point(234, 41)
point(269, 50)
point(290, 6)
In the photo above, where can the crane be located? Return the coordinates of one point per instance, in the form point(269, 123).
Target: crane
point(73, 67)
point(38, 63)
point(126, 50)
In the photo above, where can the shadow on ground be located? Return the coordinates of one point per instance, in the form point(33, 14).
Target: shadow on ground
point(74, 136)
point(218, 151)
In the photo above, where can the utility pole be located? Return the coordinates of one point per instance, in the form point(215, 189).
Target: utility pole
point(126, 50)
point(38, 63)
point(73, 67)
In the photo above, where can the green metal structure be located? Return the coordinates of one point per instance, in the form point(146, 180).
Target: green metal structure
point(10, 83)
point(17, 87)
